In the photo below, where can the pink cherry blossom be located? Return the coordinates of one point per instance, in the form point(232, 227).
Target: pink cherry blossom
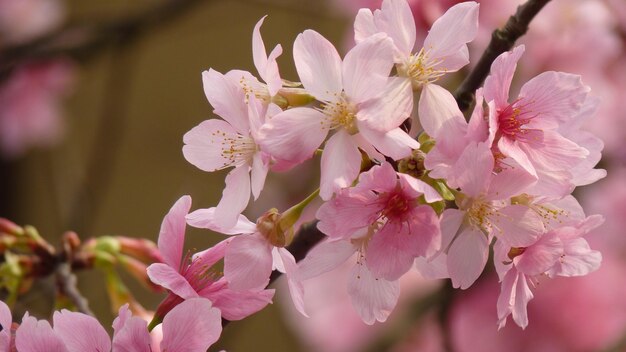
point(527, 130)
point(22, 20)
point(217, 144)
point(359, 100)
point(483, 211)
point(252, 255)
point(560, 252)
point(196, 278)
point(30, 106)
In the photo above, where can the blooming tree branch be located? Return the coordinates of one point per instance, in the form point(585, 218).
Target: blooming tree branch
point(502, 40)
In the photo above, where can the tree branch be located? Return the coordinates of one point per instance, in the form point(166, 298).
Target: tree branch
point(84, 40)
point(67, 285)
point(501, 40)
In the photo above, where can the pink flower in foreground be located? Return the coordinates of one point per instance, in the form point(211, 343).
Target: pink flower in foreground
point(560, 252)
point(359, 101)
point(30, 106)
point(192, 326)
point(527, 130)
point(252, 255)
point(483, 212)
point(22, 20)
point(445, 46)
point(196, 278)
point(381, 220)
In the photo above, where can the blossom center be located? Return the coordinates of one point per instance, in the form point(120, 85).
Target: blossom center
point(236, 149)
point(512, 120)
point(340, 114)
point(421, 69)
point(257, 89)
point(396, 207)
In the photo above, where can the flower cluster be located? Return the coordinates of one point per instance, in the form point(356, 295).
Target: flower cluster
point(429, 193)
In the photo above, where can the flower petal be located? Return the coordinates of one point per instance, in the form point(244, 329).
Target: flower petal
point(235, 197)
point(206, 143)
point(166, 276)
point(396, 19)
point(227, 99)
point(341, 162)
point(498, 83)
point(172, 235)
point(236, 305)
point(133, 337)
point(366, 68)
point(80, 332)
point(472, 172)
point(323, 258)
point(391, 108)
point(372, 298)
point(205, 219)
point(395, 143)
point(248, 262)
point(267, 67)
point(438, 111)
point(192, 326)
point(391, 251)
point(517, 225)
point(467, 257)
point(318, 65)
point(37, 336)
point(259, 170)
point(296, 289)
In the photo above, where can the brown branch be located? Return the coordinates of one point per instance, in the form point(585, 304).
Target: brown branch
point(306, 238)
point(67, 285)
point(84, 40)
point(501, 40)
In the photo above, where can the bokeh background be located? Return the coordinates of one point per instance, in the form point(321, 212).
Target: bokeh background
point(91, 141)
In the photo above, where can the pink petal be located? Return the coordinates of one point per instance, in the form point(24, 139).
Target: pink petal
point(415, 188)
point(36, 336)
point(293, 135)
point(517, 225)
point(205, 145)
point(267, 67)
point(347, 213)
point(323, 258)
point(205, 219)
point(236, 305)
point(248, 262)
point(467, 257)
point(366, 68)
point(449, 34)
point(372, 298)
point(166, 276)
point(318, 65)
point(512, 148)
point(341, 162)
point(510, 182)
point(395, 143)
point(211, 255)
point(578, 260)
point(227, 99)
point(438, 111)
point(451, 220)
point(192, 326)
point(554, 96)
point(123, 314)
point(364, 26)
point(472, 172)
point(172, 234)
point(235, 197)
point(391, 251)
point(514, 296)
point(434, 269)
point(478, 126)
point(380, 178)
point(549, 150)
point(497, 84)
point(259, 170)
point(5, 321)
point(389, 110)
point(539, 257)
point(80, 332)
point(296, 289)
point(396, 19)
point(133, 337)
point(425, 227)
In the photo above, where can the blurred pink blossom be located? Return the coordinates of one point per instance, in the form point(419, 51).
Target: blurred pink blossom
point(22, 20)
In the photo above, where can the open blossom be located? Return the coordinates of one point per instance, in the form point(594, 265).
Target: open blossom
point(192, 326)
point(484, 211)
point(196, 278)
point(527, 129)
point(381, 220)
point(560, 252)
point(253, 253)
point(444, 49)
point(358, 100)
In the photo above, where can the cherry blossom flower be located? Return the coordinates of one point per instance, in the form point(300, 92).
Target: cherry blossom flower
point(483, 212)
point(252, 255)
point(22, 20)
point(359, 101)
point(381, 220)
point(196, 278)
point(192, 326)
point(526, 130)
point(560, 252)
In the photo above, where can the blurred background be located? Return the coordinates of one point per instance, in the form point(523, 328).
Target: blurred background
point(95, 97)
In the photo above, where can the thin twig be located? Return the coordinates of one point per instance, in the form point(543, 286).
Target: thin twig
point(501, 40)
point(67, 284)
point(84, 40)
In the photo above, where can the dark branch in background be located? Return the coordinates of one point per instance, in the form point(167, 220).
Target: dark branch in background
point(85, 40)
point(501, 40)
point(66, 281)
point(306, 238)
